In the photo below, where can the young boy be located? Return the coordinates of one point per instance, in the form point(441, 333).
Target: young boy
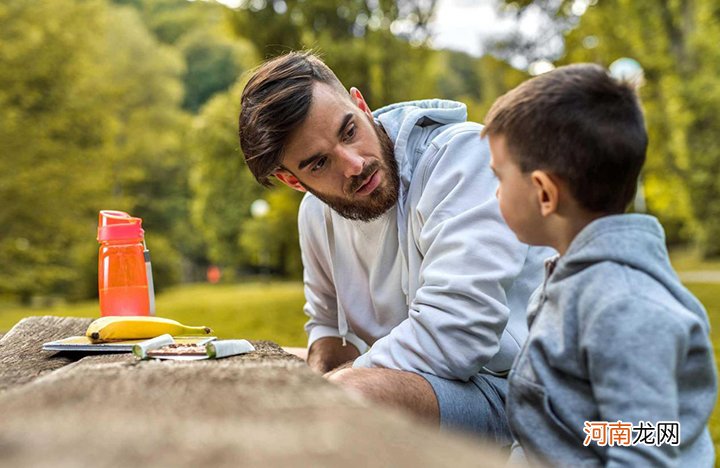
point(618, 369)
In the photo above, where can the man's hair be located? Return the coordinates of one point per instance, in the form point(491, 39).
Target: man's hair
point(274, 103)
point(580, 124)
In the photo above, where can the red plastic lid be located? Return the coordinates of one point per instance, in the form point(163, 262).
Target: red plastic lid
point(118, 225)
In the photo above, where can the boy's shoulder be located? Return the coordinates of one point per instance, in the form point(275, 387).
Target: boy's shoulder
point(607, 282)
point(629, 297)
point(618, 260)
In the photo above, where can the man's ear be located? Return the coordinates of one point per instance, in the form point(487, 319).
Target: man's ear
point(290, 180)
point(547, 192)
point(359, 100)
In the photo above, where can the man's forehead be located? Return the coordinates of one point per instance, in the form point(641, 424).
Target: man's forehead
point(324, 94)
point(328, 109)
point(328, 113)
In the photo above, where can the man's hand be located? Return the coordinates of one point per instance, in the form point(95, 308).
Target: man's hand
point(329, 353)
point(347, 365)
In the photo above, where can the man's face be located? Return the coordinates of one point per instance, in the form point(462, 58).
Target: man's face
point(341, 156)
point(516, 194)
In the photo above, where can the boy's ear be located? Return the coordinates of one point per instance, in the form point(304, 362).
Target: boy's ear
point(359, 100)
point(547, 192)
point(290, 180)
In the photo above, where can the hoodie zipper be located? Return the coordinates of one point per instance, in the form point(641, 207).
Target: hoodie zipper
point(549, 269)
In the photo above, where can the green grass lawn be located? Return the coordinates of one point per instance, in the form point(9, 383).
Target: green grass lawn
point(258, 311)
point(709, 295)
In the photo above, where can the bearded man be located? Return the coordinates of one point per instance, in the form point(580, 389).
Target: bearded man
point(416, 288)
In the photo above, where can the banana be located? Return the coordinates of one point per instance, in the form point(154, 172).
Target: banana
point(138, 328)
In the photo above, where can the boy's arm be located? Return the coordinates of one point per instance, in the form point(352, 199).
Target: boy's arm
point(633, 349)
point(470, 258)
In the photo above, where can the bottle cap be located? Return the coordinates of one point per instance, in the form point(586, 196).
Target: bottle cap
point(118, 225)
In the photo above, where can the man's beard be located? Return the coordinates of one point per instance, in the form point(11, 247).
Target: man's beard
point(378, 202)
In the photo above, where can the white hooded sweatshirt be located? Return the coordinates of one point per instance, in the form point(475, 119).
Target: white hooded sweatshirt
point(438, 284)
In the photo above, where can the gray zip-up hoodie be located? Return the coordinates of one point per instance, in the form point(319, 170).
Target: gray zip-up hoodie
point(614, 336)
point(439, 284)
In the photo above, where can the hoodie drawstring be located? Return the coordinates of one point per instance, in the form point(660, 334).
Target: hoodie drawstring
point(341, 317)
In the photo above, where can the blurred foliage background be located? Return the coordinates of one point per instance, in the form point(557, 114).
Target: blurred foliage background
point(132, 105)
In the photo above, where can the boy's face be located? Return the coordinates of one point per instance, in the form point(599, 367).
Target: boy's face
point(516, 193)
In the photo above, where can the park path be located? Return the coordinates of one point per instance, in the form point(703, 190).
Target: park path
point(700, 276)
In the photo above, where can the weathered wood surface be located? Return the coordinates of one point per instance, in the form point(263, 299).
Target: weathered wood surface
point(21, 356)
point(262, 409)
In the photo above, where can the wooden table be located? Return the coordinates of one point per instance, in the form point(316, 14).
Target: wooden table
point(262, 409)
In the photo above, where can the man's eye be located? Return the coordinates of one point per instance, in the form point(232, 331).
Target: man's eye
point(319, 164)
point(350, 133)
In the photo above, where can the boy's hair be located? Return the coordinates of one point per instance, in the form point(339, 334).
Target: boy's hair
point(274, 103)
point(578, 123)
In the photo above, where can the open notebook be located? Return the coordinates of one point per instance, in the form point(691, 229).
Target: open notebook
point(83, 343)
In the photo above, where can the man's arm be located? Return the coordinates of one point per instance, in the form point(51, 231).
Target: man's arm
point(470, 259)
point(328, 353)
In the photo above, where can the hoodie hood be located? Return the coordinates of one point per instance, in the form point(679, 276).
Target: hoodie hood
point(633, 240)
point(401, 121)
point(409, 125)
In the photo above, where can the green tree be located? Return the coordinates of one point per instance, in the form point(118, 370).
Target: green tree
point(223, 187)
point(676, 44)
point(52, 131)
point(272, 240)
point(475, 81)
point(214, 63)
point(170, 20)
point(699, 60)
point(213, 58)
point(354, 38)
point(149, 169)
point(90, 120)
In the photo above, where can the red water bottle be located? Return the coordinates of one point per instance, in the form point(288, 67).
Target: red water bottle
point(124, 276)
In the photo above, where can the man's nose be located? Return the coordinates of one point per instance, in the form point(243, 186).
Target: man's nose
point(352, 163)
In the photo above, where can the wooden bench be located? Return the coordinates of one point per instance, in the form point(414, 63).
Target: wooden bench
point(262, 409)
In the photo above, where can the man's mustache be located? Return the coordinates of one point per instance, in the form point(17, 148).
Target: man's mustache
point(357, 181)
